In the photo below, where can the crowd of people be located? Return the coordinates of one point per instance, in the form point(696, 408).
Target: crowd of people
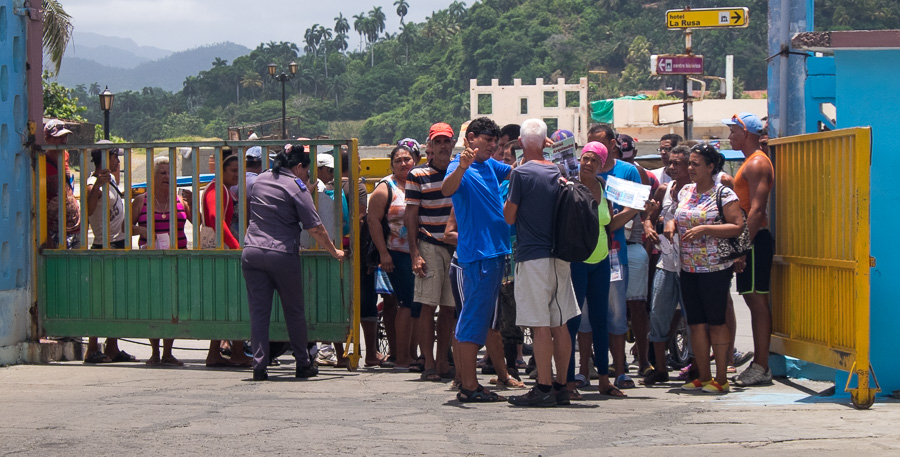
point(461, 251)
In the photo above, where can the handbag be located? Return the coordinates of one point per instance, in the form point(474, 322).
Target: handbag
point(736, 247)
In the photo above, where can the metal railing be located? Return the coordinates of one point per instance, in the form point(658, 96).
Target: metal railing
point(820, 275)
point(173, 152)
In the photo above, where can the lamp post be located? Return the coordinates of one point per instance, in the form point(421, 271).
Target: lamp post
point(106, 102)
point(283, 77)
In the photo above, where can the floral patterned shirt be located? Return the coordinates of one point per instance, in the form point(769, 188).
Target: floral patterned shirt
point(700, 255)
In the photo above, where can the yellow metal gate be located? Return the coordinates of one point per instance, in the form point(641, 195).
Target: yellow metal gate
point(820, 276)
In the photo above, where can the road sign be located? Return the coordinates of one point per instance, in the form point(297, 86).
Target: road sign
point(707, 18)
point(673, 64)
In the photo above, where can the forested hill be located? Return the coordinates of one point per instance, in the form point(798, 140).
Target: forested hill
point(356, 79)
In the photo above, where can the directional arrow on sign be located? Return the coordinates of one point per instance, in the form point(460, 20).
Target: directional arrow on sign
point(736, 17)
point(707, 18)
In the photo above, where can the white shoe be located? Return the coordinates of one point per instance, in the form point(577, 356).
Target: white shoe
point(754, 375)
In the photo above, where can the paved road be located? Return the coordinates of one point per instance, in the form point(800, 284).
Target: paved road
point(130, 409)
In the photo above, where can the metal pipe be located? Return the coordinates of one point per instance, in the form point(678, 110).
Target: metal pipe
point(173, 201)
point(150, 199)
point(128, 224)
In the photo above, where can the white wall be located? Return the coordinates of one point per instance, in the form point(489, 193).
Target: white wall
point(635, 117)
point(507, 102)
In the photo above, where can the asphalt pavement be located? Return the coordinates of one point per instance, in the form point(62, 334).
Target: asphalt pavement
point(71, 408)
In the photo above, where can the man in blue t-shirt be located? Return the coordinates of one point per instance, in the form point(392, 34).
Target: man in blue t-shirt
point(473, 183)
point(618, 320)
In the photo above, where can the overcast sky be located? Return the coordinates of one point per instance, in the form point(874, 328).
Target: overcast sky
point(184, 24)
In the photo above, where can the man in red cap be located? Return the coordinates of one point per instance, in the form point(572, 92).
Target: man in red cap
point(427, 212)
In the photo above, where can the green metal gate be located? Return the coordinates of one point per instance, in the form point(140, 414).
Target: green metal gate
point(185, 293)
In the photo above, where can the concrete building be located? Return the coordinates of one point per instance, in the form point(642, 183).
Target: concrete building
point(560, 105)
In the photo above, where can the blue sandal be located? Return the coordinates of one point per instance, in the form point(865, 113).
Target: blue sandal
point(623, 381)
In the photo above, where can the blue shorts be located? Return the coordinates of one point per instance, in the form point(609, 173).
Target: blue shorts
point(617, 323)
point(481, 287)
point(663, 303)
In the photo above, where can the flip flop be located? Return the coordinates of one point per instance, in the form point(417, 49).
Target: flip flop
point(123, 356)
point(623, 381)
point(171, 362)
point(610, 392)
point(97, 357)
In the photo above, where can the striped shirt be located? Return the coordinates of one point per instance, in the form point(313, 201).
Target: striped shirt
point(161, 223)
point(423, 189)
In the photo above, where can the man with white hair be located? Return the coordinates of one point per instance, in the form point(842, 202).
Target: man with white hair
point(545, 299)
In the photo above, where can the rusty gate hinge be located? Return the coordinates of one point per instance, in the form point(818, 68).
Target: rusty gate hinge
point(871, 262)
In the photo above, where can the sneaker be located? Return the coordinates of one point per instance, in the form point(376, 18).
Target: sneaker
point(753, 375)
point(713, 387)
point(308, 371)
point(534, 398)
point(741, 358)
point(656, 377)
point(562, 397)
point(694, 385)
point(581, 381)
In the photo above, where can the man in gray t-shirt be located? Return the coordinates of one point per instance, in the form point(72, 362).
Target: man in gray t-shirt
point(545, 299)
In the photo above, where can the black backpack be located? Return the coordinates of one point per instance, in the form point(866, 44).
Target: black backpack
point(576, 226)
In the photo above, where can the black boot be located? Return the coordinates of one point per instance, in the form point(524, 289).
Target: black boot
point(307, 371)
point(260, 374)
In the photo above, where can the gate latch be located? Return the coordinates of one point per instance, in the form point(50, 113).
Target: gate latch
point(871, 262)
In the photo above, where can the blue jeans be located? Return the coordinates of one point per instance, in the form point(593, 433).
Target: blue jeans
point(664, 300)
point(481, 287)
point(591, 283)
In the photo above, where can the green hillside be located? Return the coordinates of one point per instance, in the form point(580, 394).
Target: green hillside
point(357, 79)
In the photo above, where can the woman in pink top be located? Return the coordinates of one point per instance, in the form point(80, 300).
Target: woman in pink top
point(161, 212)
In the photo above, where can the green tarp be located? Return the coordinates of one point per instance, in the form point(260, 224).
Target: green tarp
point(602, 110)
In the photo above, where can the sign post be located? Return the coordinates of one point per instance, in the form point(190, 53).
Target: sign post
point(689, 64)
point(707, 18)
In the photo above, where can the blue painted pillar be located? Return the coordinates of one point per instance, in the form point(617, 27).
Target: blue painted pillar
point(787, 74)
point(866, 95)
point(16, 254)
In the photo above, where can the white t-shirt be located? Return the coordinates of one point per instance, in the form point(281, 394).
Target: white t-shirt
point(669, 259)
point(116, 214)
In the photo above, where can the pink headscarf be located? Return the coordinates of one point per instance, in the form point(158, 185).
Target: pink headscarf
point(596, 147)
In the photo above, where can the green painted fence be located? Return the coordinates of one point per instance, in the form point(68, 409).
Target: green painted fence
point(178, 294)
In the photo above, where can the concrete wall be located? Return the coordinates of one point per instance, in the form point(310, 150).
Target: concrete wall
point(635, 117)
point(506, 106)
point(15, 188)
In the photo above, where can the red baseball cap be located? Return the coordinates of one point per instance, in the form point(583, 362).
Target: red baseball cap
point(440, 129)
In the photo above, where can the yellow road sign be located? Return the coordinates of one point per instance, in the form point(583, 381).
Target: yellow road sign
point(707, 17)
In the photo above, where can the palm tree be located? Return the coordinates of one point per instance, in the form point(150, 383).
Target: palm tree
point(312, 42)
point(402, 9)
point(57, 31)
point(95, 89)
point(251, 80)
point(341, 26)
point(340, 40)
point(336, 86)
point(374, 27)
point(359, 24)
point(407, 36)
point(457, 10)
point(219, 62)
point(323, 35)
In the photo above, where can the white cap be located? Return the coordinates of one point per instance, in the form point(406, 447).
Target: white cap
point(325, 160)
point(254, 153)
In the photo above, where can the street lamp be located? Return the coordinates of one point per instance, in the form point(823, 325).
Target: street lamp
point(283, 77)
point(106, 102)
